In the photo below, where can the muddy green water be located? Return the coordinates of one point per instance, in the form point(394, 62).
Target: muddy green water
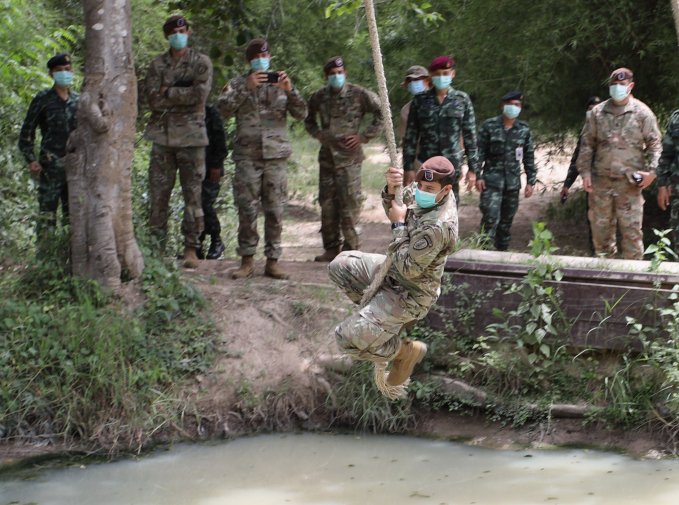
point(350, 470)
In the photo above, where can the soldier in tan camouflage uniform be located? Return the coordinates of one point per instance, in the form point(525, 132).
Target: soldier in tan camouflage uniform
point(424, 233)
point(340, 107)
point(261, 100)
point(618, 158)
point(177, 85)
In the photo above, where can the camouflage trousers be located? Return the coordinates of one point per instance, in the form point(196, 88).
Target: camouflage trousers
point(616, 203)
point(674, 219)
point(498, 208)
point(210, 193)
point(340, 198)
point(264, 181)
point(165, 161)
point(52, 189)
point(372, 331)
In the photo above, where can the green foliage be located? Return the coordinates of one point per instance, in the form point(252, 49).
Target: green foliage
point(76, 364)
point(661, 250)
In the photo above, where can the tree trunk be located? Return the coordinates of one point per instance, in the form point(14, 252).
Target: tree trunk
point(101, 150)
point(675, 11)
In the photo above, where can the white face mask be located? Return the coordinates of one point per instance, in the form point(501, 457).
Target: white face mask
point(619, 92)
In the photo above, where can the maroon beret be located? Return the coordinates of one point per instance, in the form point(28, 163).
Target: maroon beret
point(334, 62)
point(441, 62)
point(173, 22)
point(435, 169)
point(621, 74)
point(256, 46)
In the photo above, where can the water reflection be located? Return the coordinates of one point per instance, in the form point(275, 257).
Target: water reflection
point(349, 470)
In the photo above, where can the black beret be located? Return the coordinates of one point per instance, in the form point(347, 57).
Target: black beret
point(435, 169)
point(176, 21)
point(512, 95)
point(59, 59)
point(256, 46)
point(334, 62)
point(621, 74)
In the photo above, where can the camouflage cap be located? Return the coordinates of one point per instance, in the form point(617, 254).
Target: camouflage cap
point(415, 72)
point(442, 62)
point(435, 169)
point(334, 62)
point(621, 74)
point(256, 46)
point(512, 95)
point(58, 60)
point(176, 21)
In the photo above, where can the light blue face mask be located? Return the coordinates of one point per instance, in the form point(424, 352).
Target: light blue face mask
point(337, 80)
point(260, 64)
point(416, 87)
point(511, 111)
point(618, 92)
point(424, 199)
point(63, 78)
point(442, 81)
point(178, 41)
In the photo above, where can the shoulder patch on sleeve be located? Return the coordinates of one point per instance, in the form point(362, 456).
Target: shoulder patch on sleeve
point(423, 243)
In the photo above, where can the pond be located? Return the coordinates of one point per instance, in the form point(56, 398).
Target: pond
point(352, 470)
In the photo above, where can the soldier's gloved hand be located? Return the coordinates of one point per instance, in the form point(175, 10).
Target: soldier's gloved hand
point(35, 167)
point(255, 80)
point(394, 179)
point(214, 174)
point(528, 192)
point(663, 197)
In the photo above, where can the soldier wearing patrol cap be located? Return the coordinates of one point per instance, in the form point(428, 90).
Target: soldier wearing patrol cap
point(618, 158)
point(424, 230)
point(261, 100)
point(438, 119)
point(504, 144)
point(53, 111)
point(336, 112)
point(177, 85)
point(416, 81)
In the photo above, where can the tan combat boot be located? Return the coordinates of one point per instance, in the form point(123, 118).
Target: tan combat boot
point(273, 269)
point(410, 354)
point(247, 266)
point(328, 255)
point(190, 257)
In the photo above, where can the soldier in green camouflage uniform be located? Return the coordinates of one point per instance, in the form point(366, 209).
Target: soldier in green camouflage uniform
point(177, 85)
point(54, 112)
point(340, 107)
point(618, 158)
point(438, 119)
point(424, 233)
point(261, 150)
point(504, 143)
point(668, 175)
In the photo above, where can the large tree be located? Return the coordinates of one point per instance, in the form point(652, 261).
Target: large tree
point(101, 150)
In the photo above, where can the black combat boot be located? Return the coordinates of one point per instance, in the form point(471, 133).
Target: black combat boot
point(216, 248)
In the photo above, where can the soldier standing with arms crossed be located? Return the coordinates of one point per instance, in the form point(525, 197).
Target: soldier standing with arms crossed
point(54, 112)
point(340, 107)
point(261, 100)
point(177, 86)
point(618, 158)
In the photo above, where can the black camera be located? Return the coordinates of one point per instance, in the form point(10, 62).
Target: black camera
point(272, 77)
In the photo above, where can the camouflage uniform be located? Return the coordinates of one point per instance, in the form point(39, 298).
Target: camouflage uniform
point(435, 130)
point(418, 252)
point(215, 153)
point(668, 171)
point(617, 141)
point(177, 130)
point(501, 153)
point(56, 119)
point(261, 149)
point(339, 189)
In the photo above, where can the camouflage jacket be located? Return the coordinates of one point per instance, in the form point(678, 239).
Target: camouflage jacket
point(668, 166)
point(340, 114)
point(420, 249)
point(501, 153)
point(435, 129)
point(56, 119)
point(619, 140)
point(216, 150)
point(261, 118)
point(178, 114)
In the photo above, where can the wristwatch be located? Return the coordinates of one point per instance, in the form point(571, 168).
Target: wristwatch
point(398, 224)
